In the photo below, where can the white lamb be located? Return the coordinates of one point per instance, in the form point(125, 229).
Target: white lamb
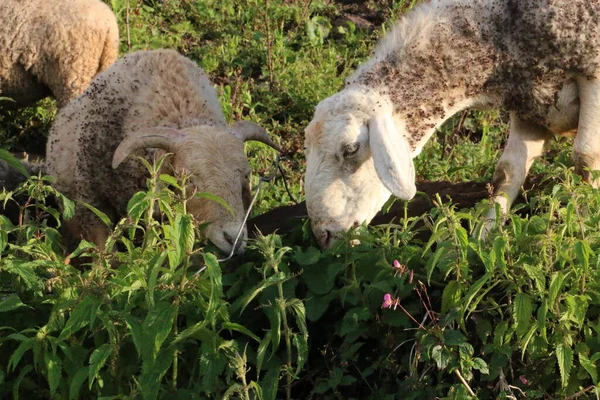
point(53, 47)
point(538, 59)
point(146, 101)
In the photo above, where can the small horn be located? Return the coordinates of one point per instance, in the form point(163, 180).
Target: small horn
point(247, 130)
point(158, 138)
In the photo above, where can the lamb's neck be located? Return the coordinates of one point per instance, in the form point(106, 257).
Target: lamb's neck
point(441, 73)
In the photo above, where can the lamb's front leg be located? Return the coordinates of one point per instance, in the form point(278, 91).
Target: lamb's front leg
point(525, 143)
point(586, 147)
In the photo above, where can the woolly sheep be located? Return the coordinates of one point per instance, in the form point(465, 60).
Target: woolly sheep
point(537, 59)
point(146, 101)
point(53, 47)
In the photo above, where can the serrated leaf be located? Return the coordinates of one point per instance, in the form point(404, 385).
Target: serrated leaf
point(300, 313)
point(103, 217)
point(152, 374)
point(82, 315)
point(556, 283)
point(76, 383)
point(54, 369)
point(156, 327)
point(240, 328)
point(16, 356)
point(68, 206)
point(242, 302)
point(451, 296)
point(274, 316)
point(169, 180)
point(82, 247)
point(564, 356)
point(217, 199)
point(583, 252)
point(481, 366)
point(261, 352)
point(441, 356)
point(270, 383)
point(301, 344)
point(138, 205)
point(17, 384)
point(590, 367)
point(13, 161)
point(308, 257)
point(10, 303)
point(537, 275)
point(522, 310)
point(97, 361)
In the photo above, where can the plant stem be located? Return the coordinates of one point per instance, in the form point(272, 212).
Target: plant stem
point(465, 384)
point(288, 341)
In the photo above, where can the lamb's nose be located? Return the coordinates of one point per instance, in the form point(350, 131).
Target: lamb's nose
point(228, 238)
point(324, 237)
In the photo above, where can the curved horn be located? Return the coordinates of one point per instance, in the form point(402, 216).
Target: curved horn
point(247, 130)
point(158, 138)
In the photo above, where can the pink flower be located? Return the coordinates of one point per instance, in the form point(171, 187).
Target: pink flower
point(523, 380)
point(387, 301)
point(397, 264)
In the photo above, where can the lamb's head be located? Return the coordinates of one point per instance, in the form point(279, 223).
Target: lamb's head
point(213, 157)
point(356, 156)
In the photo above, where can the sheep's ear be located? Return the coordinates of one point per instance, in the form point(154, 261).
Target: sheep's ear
point(158, 138)
point(392, 157)
point(247, 130)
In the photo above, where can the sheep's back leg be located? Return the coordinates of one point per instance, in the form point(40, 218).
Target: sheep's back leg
point(586, 147)
point(525, 143)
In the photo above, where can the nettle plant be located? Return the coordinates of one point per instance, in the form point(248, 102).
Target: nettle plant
point(146, 317)
point(414, 309)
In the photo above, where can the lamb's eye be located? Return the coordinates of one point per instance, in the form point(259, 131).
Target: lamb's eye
point(350, 150)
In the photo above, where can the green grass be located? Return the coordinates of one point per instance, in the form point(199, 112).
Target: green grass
point(156, 316)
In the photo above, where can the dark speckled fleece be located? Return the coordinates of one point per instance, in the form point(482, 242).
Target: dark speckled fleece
point(520, 52)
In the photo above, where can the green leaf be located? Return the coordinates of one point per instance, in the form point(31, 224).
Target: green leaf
point(242, 302)
point(16, 356)
point(590, 367)
point(301, 344)
point(156, 327)
point(168, 179)
point(97, 361)
point(240, 328)
point(54, 368)
point(300, 312)
point(522, 310)
point(270, 383)
point(537, 275)
point(261, 352)
point(76, 382)
point(138, 205)
point(309, 257)
point(274, 315)
point(564, 356)
point(82, 247)
point(556, 284)
point(103, 217)
point(583, 252)
point(217, 199)
point(152, 374)
point(451, 296)
point(480, 365)
point(14, 162)
point(576, 308)
point(24, 371)
point(12, 302)
point(82, 315)
point(441, 356)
